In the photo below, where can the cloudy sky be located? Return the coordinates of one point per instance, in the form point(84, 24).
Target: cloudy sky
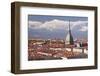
point(51, 27)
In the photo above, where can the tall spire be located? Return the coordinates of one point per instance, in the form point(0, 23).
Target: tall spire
point(69, 37)
point(69, 27)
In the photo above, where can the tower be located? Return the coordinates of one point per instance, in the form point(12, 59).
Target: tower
point(69, 37)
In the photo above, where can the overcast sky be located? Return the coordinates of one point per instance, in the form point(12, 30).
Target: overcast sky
point(50, 27)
